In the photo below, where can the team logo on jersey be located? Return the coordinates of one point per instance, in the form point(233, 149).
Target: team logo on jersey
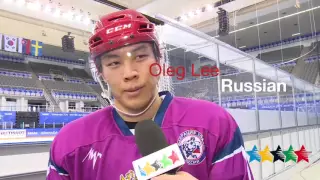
point(192, 145)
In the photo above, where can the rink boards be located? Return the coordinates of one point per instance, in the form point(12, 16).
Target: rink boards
point(18, 136)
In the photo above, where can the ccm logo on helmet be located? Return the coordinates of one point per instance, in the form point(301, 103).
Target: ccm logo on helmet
point(118, 28)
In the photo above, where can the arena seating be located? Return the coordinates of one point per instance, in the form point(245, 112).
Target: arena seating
point(286, 66)
point(280, 56)
point(58, 60)
point(17, 81)
point(283, 42)
point(96, 88)
point(311, 69)
point(16, 77)
point(91, 82)
point(27, 78)
point(45, 77)
point(7, 56)
point(11, 65)
point(192, 87)
point(11, 73)
point(81, 73)
point(74, 80)
point(40, 68)
point(22, 91)
point(73, 95)
point(65, 86)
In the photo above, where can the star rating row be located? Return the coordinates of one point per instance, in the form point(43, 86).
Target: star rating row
point(279, 154)
point(165, 161)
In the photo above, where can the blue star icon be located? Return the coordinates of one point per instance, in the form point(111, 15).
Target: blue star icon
point(254, 154)
point(142, 171)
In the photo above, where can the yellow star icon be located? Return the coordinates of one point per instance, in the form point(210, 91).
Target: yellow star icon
point(266, 155)
point(148, 168)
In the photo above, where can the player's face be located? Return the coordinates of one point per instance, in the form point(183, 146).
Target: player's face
point(127, 71)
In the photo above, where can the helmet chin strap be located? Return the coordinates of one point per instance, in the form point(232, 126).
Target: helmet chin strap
point(107, 94)
point(138, 114)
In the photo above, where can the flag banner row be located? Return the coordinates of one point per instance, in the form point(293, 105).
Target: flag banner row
point(20, 45)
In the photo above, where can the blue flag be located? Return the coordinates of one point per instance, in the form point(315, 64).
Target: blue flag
point(36, 48)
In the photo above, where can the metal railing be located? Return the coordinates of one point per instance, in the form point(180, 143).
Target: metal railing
point(83, 109)
point(29, 108)
point(45, 108)
point(33, 125)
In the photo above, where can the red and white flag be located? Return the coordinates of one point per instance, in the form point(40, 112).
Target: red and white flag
point(24, 46)
point(10, 43)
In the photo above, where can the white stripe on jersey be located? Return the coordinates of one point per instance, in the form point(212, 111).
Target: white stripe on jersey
point(132, 131)
point(53, 168)
point(235, 152)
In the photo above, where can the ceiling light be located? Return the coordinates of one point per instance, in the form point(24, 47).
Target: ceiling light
point(57, 13)
point(79, 17)
point(47, 9)
point(93, 29)
point(184, 17)
point(191, 14)
point(209, 7)
point(296, 34)
point(36, 6)
point(21, 2)
point(68, 15)
point(86, 21)
point(8, 1)
point(242, 47)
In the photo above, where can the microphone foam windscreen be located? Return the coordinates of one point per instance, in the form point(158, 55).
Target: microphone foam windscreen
point(149, 137)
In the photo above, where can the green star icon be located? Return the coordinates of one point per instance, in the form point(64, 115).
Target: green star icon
point(165, 161)
point(290, 155)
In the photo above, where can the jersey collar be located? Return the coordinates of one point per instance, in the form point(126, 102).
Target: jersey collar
point(158, 118)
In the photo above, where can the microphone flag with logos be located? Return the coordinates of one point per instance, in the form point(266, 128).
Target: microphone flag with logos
point(158, 156)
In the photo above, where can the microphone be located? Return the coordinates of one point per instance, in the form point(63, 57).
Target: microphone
point(158, 156)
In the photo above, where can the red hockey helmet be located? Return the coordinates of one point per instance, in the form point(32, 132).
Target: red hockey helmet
point(119, 29)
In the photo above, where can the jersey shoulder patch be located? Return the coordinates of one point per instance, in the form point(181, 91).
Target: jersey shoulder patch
point(191, 143)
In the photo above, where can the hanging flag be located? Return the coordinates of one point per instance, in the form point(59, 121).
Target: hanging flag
point(0, 41)
point(24, 46)
point(10, 43)
point(36, 48)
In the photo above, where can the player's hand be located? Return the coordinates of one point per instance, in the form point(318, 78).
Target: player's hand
point(179, 176)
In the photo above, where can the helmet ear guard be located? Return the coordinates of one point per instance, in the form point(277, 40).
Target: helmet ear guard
point(106, 95)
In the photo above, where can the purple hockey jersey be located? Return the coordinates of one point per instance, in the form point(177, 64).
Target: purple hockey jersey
point(100, 146)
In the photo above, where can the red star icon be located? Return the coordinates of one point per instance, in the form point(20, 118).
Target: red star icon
point(302, 154)
point(174, 157)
